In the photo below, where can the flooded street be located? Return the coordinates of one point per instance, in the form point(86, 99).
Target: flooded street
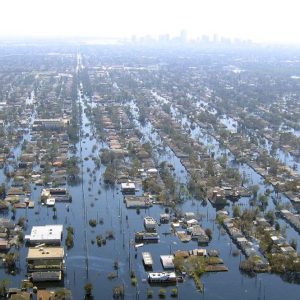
point(123, 131)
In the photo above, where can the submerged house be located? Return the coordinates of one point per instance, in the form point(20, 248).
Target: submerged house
point(48, 234)
point(198, 233)
point(150, 223)
point(128, 188)
point(162, 277)
point(60, 194)
point(45, 263)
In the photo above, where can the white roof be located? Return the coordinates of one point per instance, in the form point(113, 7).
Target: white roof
point(167, 261)
point(192, 222)
point(149, 220)
point(241, 239)
point(127, 185)
point(161, 275)
point(45, 233)
point(50, 201)
point(189, 215)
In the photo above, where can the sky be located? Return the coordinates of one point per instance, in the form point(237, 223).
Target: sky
point(258, 20)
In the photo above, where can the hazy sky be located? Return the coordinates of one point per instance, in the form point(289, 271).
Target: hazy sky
point(260, 20)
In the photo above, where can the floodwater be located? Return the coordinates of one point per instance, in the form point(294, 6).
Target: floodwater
point(86, 262)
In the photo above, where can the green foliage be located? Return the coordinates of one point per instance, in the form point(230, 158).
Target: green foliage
point(151, 185)
point(166, 107)
point(174, 292)
point(281, 263)
point(250, 265)
point(10, 260)
point(20, 237)
point(22, 222)
point(3, 287)
point(109, 175)
point(70, 229)
point(198, 283)
point(72, 167)
point(134, 281)
point(209, 233)
point(107, 157)
point(236, 211)
point(167, 178)
point(270, 217)
point(197, 189)
point(99, 240)
point(62, 294)
point(149, 293)
point(93, 222)
point(119, 291)
point(70, 237)
point(220, 219)
point(162, 293)
point(179, 263)
point(88, 288)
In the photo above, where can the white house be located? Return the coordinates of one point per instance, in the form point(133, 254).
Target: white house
point(48, 234)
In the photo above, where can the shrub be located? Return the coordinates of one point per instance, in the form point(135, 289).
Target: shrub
point(162, 293)
point(174, 292)
point(149, 293)
point(93, 222)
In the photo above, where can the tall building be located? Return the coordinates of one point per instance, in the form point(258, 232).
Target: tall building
point(183, 36)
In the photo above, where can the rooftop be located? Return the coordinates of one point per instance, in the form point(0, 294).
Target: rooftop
point(167, 261)
point(45, 252)
point(45, 233)
point(128, 185)
point(45, 295)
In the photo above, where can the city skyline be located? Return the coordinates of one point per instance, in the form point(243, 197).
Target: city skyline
point(267, 21)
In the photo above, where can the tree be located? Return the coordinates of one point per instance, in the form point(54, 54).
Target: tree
point(209, 233)
point(109, 175)
point(22, 222)
point(236, 211)
point(263, 200)
point(13, 210)
point(2, 191)
point(88, 289)
point(3, 287)
point(162, 293)
point(69, 239)
point(270, 217)
point(10, 260)
point(174, 292)
point(119, 291)
point(107, 157)
point(62, 294)
point(254, 189)
point(149, 293)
